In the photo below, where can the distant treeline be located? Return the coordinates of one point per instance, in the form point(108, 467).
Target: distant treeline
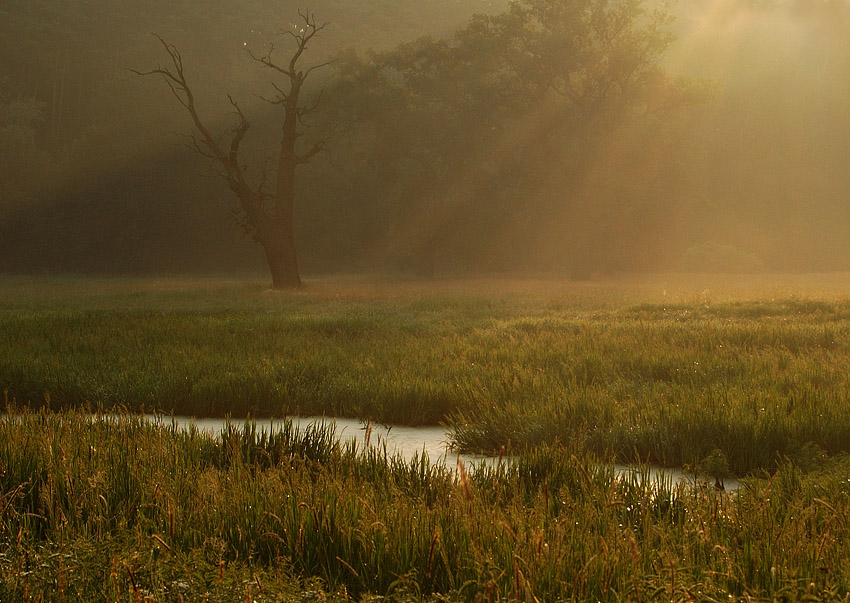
point(537, 136)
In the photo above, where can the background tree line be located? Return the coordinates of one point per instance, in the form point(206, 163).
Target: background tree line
point(568, 136)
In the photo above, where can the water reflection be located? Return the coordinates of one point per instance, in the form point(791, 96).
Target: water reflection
point(409, 442)
point(399, 440)
point(669, 476)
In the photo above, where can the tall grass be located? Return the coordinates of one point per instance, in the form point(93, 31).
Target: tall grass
point(632, 371)
point(124, 510)
point(642, 383)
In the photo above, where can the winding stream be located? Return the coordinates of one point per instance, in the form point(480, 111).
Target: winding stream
point(409, 442)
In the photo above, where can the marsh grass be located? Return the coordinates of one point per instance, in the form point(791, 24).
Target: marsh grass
point(658, 371)
point(120, 509)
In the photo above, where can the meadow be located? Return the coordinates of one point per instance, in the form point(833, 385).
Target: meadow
point(118, 509)
point(665, 370)
point(719, 375)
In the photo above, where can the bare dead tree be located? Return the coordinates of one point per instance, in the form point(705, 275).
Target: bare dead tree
point(268, 214)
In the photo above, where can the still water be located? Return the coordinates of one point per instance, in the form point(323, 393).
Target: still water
point(408, 442)
point(404, 441)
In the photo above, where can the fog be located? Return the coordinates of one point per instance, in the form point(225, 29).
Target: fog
point(722, 150)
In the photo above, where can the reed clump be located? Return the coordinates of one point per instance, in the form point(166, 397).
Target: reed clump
point(118, 508)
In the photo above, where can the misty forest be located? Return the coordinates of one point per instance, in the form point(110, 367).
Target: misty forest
point(594, 255)
point(457, 138)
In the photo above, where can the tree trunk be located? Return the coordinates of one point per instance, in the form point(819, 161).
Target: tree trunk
point(275, 232)
point(285, 273)
point(283, 264)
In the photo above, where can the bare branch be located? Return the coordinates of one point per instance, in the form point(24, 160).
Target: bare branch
point(314, 150)
point(176, 81)
point(302, 38)
point(171, 81)
point(272, 101)
point(267, 61)
point(312, 108)
point(263, 177)
point(195, 146)
point(319, 66)
point(282, 96)
point(238, 135)
point(312, 29)
point(207, 146)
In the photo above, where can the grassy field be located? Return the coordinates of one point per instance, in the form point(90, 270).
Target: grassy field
point(119, 509)
point(665, 370)
point(722, 375)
